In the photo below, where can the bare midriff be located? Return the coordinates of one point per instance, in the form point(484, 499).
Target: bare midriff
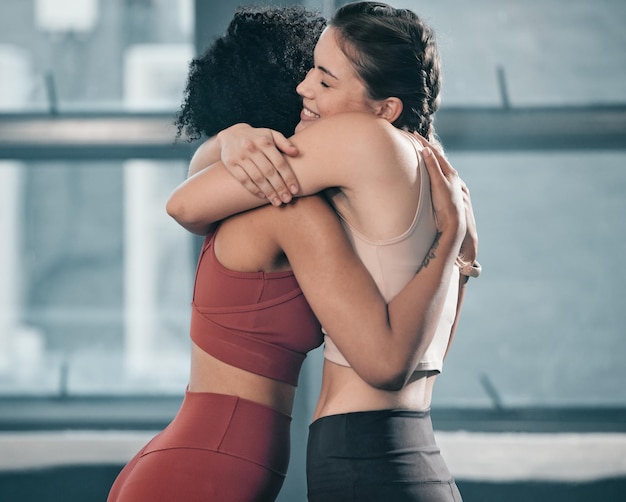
point(209, 374)
point(343, 391)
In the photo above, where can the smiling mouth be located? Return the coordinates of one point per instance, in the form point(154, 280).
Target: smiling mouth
point(309, 114)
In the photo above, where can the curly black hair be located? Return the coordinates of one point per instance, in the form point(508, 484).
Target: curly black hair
point(250, 73)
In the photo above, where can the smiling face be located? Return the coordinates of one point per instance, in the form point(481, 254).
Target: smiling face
point(332, 85)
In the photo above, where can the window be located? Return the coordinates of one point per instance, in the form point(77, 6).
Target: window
point(96, 279)
point(98, 286)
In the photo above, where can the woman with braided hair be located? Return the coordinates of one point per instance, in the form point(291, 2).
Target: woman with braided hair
point(375, 82)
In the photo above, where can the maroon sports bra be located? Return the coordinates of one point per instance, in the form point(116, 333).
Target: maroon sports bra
point(257, 321)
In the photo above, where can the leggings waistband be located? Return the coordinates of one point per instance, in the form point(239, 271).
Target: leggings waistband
point(229, 425)
point(375, 432)
point(377, 455)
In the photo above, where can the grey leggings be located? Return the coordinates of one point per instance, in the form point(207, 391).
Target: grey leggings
point(377, 456)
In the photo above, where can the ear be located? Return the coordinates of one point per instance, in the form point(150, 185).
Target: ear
point(389, 109)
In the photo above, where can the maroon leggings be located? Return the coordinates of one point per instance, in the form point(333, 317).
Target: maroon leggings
point(217, 448)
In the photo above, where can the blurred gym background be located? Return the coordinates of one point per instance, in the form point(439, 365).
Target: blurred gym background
point(95, 279)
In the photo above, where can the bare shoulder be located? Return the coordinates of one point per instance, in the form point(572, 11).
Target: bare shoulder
point(347, 130)
point(340, 151)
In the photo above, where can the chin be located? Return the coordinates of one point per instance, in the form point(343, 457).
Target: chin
point(302, 125)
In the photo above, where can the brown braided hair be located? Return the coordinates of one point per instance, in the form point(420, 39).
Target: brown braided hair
point(395, 55)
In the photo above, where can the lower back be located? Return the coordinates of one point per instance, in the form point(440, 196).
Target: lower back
point(343, 391)
point(209, 374)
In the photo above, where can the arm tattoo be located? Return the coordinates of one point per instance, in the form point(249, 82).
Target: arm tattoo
point(431, 253)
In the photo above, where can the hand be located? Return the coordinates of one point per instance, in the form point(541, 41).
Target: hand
point(447, 192)
point(255, 158)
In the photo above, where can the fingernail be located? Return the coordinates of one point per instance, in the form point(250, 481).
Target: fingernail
point(426, 152)
point(293, 189)
point(276, 201)
point(286, 197)
point(261, 195)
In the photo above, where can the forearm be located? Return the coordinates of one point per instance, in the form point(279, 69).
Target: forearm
point(382, 343)
point(207, 153)
point(196, 205)
point(386, 343)
point(415, 313)
point(178, 207)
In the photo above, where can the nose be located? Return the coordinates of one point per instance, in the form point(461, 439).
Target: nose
point(304, 88)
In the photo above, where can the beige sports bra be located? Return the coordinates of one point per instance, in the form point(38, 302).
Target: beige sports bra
point(393, 263)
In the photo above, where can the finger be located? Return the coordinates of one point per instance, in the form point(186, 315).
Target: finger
point(284, 144)
point(281, 163)
point(277, 171)
point(269, 160)
point(444, 165)
point(432, 164)
point(242, 176)
point(272, 168)
point(281, 175)
point(257, 181)
point(467, 198)
point(265, 166)
point(275, 178)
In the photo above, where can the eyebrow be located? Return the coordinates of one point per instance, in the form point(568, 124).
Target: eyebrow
point(327, 72)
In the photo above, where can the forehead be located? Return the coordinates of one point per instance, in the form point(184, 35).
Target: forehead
point(328, 54)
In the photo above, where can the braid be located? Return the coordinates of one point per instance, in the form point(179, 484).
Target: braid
point(431, 74)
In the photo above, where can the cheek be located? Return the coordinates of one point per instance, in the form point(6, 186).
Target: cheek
point(354, 104)
point(354, 101)
point(338, 104)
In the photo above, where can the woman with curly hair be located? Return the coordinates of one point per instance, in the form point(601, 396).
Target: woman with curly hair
point(375, 81)
point(264, 54)
point(251, 326)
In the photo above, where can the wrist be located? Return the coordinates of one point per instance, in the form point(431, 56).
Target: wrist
point(452, 238)
point(468, 269)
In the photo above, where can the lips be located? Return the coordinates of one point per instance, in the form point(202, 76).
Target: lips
point(307, 114)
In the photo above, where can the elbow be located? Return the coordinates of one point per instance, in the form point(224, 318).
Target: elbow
point(389, 377)
point(391, 383)
point(175, 208)
point(179, 212)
